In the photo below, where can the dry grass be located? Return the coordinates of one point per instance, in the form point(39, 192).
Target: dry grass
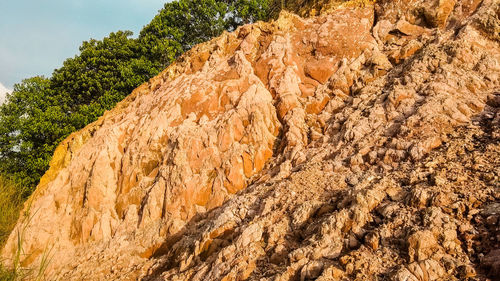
point(10, 204)
point(6, 274)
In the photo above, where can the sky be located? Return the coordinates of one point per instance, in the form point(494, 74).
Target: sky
point(36, 36)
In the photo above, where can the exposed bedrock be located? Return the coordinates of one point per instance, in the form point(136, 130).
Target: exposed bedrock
point(358, 144)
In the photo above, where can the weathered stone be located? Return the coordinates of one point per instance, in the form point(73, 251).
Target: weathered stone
point(372, 239)
point(492, 262)
point(291, 149)
point(437, 12)
point(421, 245)
point(311, 270)
point(494, 100)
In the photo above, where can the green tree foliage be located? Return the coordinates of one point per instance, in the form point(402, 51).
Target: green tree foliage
point(102, 75)
point(182, 24)
point(41, 112)
point(31, 125)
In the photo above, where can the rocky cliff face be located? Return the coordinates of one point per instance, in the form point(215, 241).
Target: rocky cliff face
point(358, 144)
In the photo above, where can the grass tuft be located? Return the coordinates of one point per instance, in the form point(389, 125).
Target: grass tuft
point(11, 203)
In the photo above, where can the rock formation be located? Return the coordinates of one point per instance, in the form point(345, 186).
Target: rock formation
point(361, 143)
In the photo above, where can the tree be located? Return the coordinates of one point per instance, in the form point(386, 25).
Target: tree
point(249, 11)
point(32, 123)
point(103, 74)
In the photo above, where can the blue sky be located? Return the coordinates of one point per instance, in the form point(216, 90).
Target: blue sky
point(37, 35)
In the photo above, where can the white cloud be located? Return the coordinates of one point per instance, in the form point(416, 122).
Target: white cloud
point(3, 92)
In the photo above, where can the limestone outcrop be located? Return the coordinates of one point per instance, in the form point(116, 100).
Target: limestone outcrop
point(361, 143)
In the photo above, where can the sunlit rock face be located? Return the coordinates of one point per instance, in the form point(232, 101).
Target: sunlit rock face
point(321, 147)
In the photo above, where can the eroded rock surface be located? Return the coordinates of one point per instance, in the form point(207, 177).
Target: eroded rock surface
point(334, 147)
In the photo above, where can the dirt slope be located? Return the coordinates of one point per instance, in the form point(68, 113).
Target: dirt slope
point(358, 144)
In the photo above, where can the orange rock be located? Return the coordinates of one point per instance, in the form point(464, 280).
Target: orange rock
point(247, 164)
point(245, 274)
point(316, 107)
point(287, 103)
point(202, 196)
point(225, 140)
point(235, 179)
point(194, 151)
point(410, 29)
point(307, 90)
point(218, 195)
point(261, 157)
point(238, 129)
point(320, 70)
